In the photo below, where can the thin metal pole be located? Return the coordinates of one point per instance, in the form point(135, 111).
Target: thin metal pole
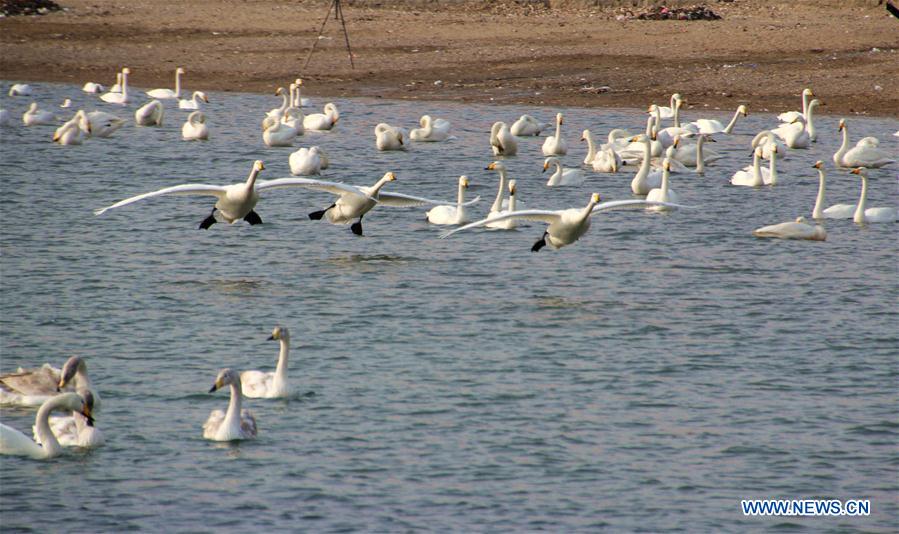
point(346, 35)
point(320, 30)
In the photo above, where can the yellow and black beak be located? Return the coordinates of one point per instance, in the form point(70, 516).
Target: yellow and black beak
point(218, 384)
point(88, 413)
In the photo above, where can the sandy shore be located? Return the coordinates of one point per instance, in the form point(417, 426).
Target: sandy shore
point(761, 53)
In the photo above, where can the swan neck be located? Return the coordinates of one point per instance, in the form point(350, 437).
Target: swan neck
point(251, 180)
point(558, 129)
point(843, 147)
point(281, 369)
point(772, 168)
point(757, 171)
point(498, 203)
point(805, 98)
point(818, 212)
point(177, 84)
point(650, 122)
point(647, 155)
point(232, 416)
point(665, 173)
point(591, 146)
point(378, 185)
point(460, 196)
point(676, 110)
point(42, 421)
point(732, 123)
point(862, 202)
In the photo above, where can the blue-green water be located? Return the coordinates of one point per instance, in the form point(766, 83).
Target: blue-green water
point(647, 378)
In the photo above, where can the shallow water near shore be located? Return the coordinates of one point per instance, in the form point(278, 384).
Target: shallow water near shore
point(648, 377)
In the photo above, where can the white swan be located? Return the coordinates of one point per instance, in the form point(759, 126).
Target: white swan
point(101, 123)
point(117, 86)
point(501, 204)
point(276, 133)
point(235, 201)
point(645, 181)
point(565, 226)
point(168, 93)
point(753, 176)
point(194, 101)
point(767, 140)
point(526, 126)
point(695, 155)
point(864, 214)
point(195, 127)
point(353, 201)
point(663, 194)
point(432, 130)
point(278, 112)
point(797, 229)
point(790, 116)
point(298, 101)
point(447, 214)
point(67, 103)
point(20, 89)
point(93, 87)
point(75, 430)
point(293, 118)
point(837, 211)
point(864, 154)
point(793, 135)
point(322, 121)
point(234, 424)
point(606, 159)
point(555, 145)
point(260, 385)
point(502, 141)
point(14, 442)
point(713, 126)
point(665, 136)
point(306, 161)
point(150, 114)
point(73, 132)
point(121, 97)
point(388, 137)
point(562, 176)
point(37, 117)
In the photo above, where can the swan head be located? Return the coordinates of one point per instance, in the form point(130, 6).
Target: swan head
point(72, 366)
point(424, 120)
point(126, 70)
point(279, 333)
point(298, 81)
point(258, 165)
point(390, 176)
point(463, 182)
point(559, 118)
point(279, 91)
point(814, 103)
point(743, 110)
point(818, 165)
point(676, 141)
point(800, 219)
point(859, 171)
point(594, 199)
point(87, 409)
point(201, 95)
point(585, 134)
point(666, 164)
point(512, 187)
point(225, 377)
point(549, 161)
point(842, 125)
point(807, 92)
point(495, 166)
point(639, 138)
point(179, 70)
point(76, 403)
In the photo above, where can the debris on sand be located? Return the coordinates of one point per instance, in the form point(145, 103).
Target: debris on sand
point(11, 8)
point(698, 12)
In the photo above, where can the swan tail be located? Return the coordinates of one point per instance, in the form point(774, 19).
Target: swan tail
point(317, 215)
point(253, 218)
point(208, 221)
point(540, 244)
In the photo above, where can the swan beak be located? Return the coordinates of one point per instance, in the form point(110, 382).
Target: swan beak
point(595, 198)
point(391, 176)
point(270, 338)
point(633, 139)
point(215, 386)
point(857, 170)
point(86, 412)
point(465, 183)
point(818, 165)
point(490, 167)
point(545, 166)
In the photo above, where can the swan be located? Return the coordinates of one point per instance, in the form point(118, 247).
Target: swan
point(388, 137)
point(837, 211)
point(644, 181)
point(793, 135)
point(67, 103)
point(195, 127)
point(554, 145)
point(194, 101)
point(306, 161)
point(606, 159)
point(447, 214)
point(259, 385)
point(562, 176)
point(322, 121)
point(20, 89)
point(695, 155)
point(72, 132)
point(565, 226)
point(235, 201)
point(668, 112)
point(354, 202)
point(117, 86)
point(298, 101)
point(797, 229)
point(500, 204)
point(753, 176)
point(864, 214)
point(33, 387)
point(236, 423)
point(150, 114)
point(665, 136)
point(75, 430)
point(431, 130)
point(13, 442)
point(37, 117)
point(767, 140)
point(168, 93)
point(502, 141)
point(285, 103)
point(293, 118)
point(92, 87)
point(122, 97)
point(790, 116)
point(276, 133)
point(712, 126)
point(663, 194)
point(587, 136)
point(864, 154)
point(526, 126)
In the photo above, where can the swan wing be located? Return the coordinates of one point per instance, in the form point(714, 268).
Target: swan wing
point(40, 381)
point(615, 204)
point(256, 384)
point(184, 189)
point(399, 200)
point(247, 424)
point(335, 188)
point(212, 424)
point(14, 442)
point(546, 216)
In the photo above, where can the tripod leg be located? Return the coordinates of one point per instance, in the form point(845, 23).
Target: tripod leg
point(320, 30)
point(346, 34)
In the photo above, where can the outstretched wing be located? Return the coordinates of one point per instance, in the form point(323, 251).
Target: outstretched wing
point(630, 204)
point(184, 189)
point(546, 216)
point(399, 200)
point(335, 188)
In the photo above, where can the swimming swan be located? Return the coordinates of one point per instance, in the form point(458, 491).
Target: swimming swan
point(864, 214)
point(447, 214)
point(606, 159)
point(33, 387)
point(168, 93)
point(278, 112)
point(322, 121)
point(73, 131)
point(837, 211)
point(388, 137)
point(37, 117)
point(645, 181)
point(195, 127)
point(432, 130)
point(14, 442)
point(120, 97)
point(502, 141)
point(767, 140)
point(75, 430)
point(555, 145)
point(260, 385)
point(797, 229)
point(93, 87)
point(234, 424)
point(695, 155)
point(20, 89)
point(526, 126)
point(150, 114)
point(562, 176)
point(194, 101)
point(790, 116)
point(298, 101)
point(306, 161)
point(865, 153)
point(565, 226)
point(663, 194)
point(276, 133)
point(712, 126)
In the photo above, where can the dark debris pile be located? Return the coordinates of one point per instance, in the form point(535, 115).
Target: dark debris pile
point(11, 8)
point(699, 12)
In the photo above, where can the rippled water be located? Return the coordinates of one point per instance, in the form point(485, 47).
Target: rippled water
point(647, 378)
